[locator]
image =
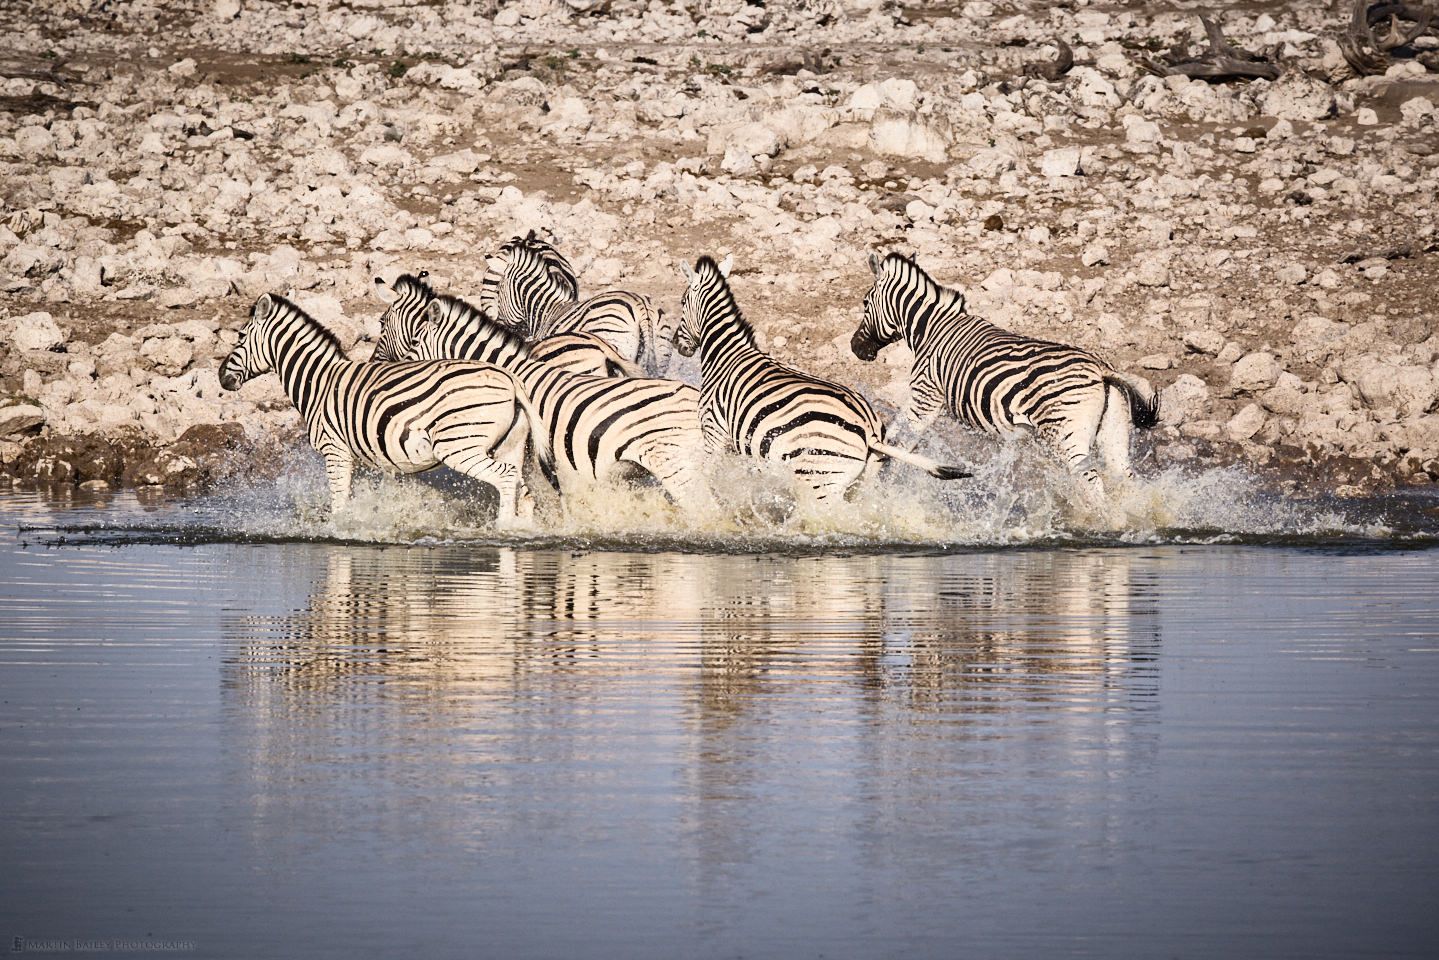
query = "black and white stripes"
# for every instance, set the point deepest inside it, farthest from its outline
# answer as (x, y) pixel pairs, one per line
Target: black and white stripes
(999, 381)
(532, 287)
(599, 428)
(826, 434)
(397, 417)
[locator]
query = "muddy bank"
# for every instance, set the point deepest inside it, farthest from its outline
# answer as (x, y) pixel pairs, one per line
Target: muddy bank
(1262, 250)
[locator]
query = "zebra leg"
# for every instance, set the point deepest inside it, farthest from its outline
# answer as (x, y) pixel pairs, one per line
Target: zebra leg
(339, 467)
(1112, 439)
(716, 436)
(515, 501)
(1072, 439)
(679, 475)
(924, 407)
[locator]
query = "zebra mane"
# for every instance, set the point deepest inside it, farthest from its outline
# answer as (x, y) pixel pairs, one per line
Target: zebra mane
(719, 292)
(414, 283)
(557, 268)
(452, 314)
(282, 309)
(945, 298)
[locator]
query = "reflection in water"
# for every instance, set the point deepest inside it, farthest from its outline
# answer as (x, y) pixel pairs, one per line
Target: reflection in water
(295, 748)
(812, 678)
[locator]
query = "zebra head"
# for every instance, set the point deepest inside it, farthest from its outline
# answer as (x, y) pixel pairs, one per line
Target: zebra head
(885, 305)
(708, 283)
(250, 358)
(399, 326)
(525, 281)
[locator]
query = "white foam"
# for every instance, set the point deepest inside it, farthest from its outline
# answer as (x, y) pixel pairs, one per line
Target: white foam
(1014, 498)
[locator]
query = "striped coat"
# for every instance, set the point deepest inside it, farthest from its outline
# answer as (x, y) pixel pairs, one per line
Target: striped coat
(998, 381)
(599, 428)
(532, 287)
(400, 418)
(825, 433)
(410, 294)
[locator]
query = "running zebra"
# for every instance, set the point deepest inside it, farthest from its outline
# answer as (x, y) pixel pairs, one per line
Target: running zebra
(599, 428)
(410, 294)
(532, 287)
(999, 381)
(751, 404)
(405, 418)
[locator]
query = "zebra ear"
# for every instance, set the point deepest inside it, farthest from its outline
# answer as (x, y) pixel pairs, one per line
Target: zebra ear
(433, 311)
(687, 272)
(263, 307)
(383, 293)
(726, 265)
(874, 263)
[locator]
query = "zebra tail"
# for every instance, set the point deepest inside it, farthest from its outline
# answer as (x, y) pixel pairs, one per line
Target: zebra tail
(539, 436)
(934, 468)
(1143, 402)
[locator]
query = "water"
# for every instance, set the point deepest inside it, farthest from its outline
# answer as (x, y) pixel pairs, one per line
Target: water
(928, 728)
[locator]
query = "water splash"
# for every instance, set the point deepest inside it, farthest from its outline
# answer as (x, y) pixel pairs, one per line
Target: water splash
(1014, 499)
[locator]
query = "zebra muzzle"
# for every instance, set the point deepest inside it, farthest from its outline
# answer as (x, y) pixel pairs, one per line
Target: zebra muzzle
(863, 347)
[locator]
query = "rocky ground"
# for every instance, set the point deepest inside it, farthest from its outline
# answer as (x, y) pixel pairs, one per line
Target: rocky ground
(1264, 251)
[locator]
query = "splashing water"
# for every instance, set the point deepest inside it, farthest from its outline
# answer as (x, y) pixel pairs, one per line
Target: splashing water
(1014, 499)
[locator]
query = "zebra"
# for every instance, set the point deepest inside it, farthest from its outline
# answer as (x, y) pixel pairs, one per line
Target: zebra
(407, 298)
(531, 286)
(405, 418)
(598, 428)
(999, 381)
(751, 404)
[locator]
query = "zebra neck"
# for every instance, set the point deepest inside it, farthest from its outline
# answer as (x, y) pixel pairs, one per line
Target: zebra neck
(302, 359)
(942, 313)
(727, 337)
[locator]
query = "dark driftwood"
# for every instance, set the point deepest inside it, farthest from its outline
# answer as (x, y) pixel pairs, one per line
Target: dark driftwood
(1055, 69)
(1368, 52)
(1219, 60)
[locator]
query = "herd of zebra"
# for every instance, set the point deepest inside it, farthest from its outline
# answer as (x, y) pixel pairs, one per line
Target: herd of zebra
(532, 376)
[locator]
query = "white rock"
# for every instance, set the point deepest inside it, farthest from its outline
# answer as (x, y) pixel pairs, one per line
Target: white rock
(1153, 271)
(739, 162)
(1298, 96)
(1255, 372)
(1183, 399)
(35, 143)
(751, 139)
(1291, 273)
(18, 417)
(989, 164)
(1141, 134)
(185, 68)
(901, 133)
(225, 9)
(1060, 162)
(36, 331)
(1208, 342)
(1416, 110)
(1094, 253)
(1246, 423)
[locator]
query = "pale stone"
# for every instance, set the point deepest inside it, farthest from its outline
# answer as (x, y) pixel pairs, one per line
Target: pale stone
(1255, 372)
(1182, 399)
(1060, 162)
(899, 133)
(37, 331)
(19, 417)
(1208, 342)
(1246, 423)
